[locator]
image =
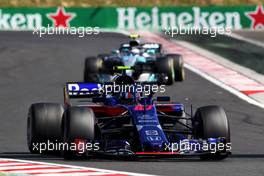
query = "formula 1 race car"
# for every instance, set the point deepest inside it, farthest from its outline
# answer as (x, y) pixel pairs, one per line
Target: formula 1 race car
(149, 62)
(126, 122)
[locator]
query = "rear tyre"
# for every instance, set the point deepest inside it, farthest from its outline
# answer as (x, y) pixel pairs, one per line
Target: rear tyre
(165, 68)
(137, 71)
(211, 122)
(43, 125)
(103, 56)
(78, 123)
(92, 68)
(178, 67)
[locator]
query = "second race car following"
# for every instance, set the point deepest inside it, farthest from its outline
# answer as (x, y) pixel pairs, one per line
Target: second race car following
(147, 59)
(127, 122)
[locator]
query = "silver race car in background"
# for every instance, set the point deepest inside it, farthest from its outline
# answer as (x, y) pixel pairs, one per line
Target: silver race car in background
(149, 62)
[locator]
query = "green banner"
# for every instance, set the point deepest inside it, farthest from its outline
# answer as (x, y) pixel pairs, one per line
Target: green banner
(147, 18)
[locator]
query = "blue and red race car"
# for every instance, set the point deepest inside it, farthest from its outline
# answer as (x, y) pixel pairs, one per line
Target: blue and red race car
(96, 119)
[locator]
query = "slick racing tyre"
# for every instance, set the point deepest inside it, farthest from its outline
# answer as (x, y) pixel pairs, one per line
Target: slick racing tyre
(43, 125)
(78, 124)
(92, 68)
(165, 68)
(179, 73)
(211, 122)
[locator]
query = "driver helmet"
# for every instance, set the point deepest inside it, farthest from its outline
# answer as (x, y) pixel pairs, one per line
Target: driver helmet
(134, 43)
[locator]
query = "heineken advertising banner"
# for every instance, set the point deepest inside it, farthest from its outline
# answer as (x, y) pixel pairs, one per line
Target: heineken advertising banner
(148, 18)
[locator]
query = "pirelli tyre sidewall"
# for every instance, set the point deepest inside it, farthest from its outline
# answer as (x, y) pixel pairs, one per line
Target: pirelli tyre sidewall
(211, 122)
(78, 123)
(178, 65)
(44, 124)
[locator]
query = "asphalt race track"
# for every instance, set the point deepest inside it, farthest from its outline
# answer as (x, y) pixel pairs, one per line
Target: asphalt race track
(34, 69)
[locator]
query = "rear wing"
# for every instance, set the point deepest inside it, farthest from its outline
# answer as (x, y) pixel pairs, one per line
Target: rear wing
(81, 90)
(151, 45)
(154, 46)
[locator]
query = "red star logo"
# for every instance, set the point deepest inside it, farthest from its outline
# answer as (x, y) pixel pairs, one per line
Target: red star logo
(257, 17)
(61, 18)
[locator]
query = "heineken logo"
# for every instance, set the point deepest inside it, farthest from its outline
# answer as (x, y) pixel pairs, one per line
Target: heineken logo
(30, 21)
(20, 21)
(256, 17)
(133, 18)
(130, 18)
(60, 18)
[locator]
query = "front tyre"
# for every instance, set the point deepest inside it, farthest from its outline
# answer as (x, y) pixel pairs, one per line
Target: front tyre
(211, 122)
(178, 66)
(92, 67)
(78, 123)
(165, 68)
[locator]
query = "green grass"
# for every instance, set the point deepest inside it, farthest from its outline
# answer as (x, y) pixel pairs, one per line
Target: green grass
(87, 3)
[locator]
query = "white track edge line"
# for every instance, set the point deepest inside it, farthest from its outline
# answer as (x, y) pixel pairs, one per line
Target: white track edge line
(224, 86)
